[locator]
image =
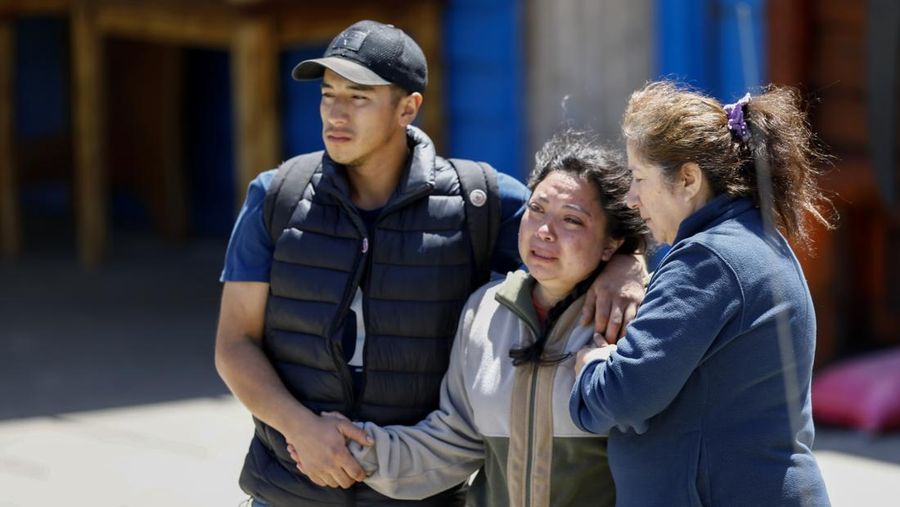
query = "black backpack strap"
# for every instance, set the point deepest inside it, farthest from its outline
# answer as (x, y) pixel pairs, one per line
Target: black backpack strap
(478, 182)
(286, 189)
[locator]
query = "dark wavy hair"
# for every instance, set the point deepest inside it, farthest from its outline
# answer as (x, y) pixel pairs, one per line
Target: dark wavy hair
(580, 154)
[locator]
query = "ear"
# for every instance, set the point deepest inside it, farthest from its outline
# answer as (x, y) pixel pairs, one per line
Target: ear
(409, 108)
(691, 179)
(610, 248)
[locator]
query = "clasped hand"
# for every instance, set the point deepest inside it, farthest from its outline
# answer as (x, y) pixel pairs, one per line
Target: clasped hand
(320, 450)
(598, 349)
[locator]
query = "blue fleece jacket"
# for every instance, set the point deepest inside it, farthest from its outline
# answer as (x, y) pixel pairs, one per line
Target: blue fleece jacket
(695, 399)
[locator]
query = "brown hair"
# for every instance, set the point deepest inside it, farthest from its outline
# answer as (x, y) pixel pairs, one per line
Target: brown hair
(670, 125)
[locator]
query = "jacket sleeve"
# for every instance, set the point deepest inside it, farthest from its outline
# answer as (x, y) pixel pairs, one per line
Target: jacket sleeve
(441, 451)
(692, 297)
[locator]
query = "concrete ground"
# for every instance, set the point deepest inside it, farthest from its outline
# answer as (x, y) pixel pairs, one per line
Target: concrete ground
(109, 397)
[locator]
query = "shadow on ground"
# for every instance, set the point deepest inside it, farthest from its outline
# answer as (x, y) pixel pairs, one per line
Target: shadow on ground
(140, 329)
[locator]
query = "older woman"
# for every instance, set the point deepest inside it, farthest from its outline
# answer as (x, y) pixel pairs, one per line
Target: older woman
(503, 406)
(706, 398)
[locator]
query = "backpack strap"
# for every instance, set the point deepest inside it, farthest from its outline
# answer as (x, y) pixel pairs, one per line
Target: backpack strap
(286, 190)
(478, 182)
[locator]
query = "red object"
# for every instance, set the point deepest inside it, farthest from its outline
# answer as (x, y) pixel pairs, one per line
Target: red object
(862, 393)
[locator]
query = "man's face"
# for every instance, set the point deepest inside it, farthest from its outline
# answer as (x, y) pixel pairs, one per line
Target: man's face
(357, 120)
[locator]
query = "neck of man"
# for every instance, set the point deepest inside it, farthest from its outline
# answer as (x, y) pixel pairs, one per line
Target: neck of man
(373, 180)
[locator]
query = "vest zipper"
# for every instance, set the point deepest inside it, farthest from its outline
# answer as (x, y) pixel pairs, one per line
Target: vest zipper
(370, 242)
(529, 457)
(342, 367)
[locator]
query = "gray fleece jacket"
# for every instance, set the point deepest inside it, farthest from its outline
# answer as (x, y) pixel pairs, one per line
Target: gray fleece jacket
(511, 424)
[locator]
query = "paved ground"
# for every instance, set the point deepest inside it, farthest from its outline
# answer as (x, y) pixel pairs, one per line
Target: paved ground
(108, 394)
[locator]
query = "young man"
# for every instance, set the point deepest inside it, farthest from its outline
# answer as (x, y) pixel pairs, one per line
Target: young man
(345, 297)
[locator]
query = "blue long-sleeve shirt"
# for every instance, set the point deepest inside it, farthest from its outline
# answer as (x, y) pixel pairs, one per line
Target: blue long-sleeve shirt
(694, 398)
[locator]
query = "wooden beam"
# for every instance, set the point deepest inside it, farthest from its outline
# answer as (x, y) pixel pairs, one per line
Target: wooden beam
(255, 76)
(199, 25)
(21, 7)
(10, 227)
(89, 113)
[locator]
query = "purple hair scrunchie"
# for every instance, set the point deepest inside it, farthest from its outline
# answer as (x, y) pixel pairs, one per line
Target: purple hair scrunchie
(736, 123)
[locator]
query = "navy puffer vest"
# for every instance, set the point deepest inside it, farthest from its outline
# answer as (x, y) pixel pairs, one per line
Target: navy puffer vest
(419, 276)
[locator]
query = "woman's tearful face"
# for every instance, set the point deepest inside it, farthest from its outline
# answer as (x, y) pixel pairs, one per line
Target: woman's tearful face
(562, 236)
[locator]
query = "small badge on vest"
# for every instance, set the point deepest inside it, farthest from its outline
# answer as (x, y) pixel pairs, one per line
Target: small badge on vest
(477, 197)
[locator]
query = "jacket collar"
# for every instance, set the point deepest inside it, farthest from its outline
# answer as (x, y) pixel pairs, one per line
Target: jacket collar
(716, 211)
(515, 294)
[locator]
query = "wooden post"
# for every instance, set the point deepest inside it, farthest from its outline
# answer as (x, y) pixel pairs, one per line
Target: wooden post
(89, 113)
(254, 71)
(10, 229)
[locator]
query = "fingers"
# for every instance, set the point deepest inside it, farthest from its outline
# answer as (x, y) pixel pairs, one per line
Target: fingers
(343, 477)
(602, 313)
(343, 480)
(587, 312)
(355, 433)
(614, 324)
(350, 468)
(336, 415)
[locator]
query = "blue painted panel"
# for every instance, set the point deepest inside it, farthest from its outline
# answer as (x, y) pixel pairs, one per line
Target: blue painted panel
(480, 92)
(700, 42)
(482, 45)
(484, 89)
(301, 126)
(684, 35)
(470, 139)
(41, 76)
(741, 53)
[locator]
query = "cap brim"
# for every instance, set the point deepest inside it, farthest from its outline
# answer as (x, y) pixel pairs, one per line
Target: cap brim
(348, 69)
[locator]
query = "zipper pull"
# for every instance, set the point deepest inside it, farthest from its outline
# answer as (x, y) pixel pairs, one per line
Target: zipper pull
(365, 245)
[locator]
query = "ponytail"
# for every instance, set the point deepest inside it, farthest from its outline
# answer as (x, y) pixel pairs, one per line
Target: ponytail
(781, 138)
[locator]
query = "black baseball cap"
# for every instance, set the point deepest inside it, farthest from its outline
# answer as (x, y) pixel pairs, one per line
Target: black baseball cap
(371, 53)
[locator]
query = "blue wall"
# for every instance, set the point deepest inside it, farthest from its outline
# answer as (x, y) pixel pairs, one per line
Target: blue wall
(484, 90)
(699, 42)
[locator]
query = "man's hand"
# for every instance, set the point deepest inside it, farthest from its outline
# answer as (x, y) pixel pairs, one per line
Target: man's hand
(592, 353)
(612, 300)
(320, 450)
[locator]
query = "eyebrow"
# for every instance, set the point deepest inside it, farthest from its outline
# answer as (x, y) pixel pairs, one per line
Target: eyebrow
(352, 86)
(543, 198)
